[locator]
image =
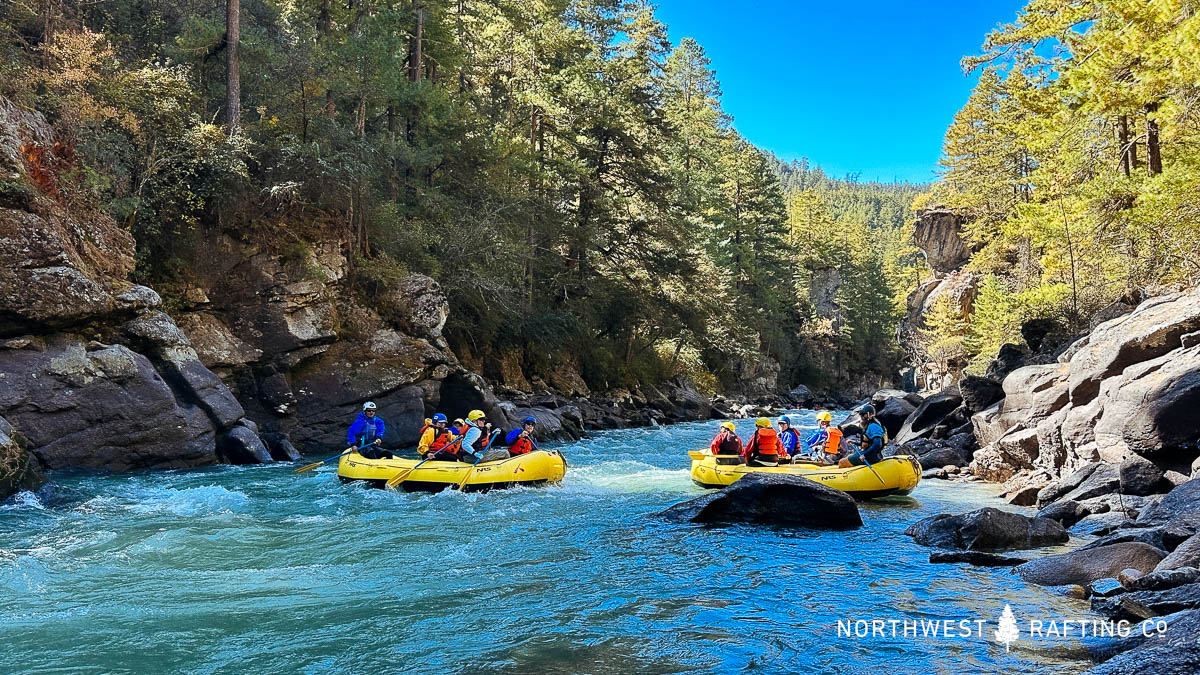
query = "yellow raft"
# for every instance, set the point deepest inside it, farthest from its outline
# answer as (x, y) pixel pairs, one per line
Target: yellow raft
(896, 475)
(534, 468)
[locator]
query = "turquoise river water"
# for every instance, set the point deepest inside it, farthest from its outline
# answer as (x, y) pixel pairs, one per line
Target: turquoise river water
(258, 570)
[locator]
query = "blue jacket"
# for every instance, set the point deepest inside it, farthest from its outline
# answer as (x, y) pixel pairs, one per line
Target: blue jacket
(817, 440)
(513, 436)
(789, 438)
(873, 444)
(366, 429)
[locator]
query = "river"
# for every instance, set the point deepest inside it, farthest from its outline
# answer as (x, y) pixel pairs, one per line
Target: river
(258, 570)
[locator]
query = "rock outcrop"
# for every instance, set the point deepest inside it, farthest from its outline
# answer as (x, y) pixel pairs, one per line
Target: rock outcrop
(1125, 395)
(772, 499)
(91, 372)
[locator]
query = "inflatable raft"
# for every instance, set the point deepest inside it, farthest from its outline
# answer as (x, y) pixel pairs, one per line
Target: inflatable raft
(891, 476)
(535, 468)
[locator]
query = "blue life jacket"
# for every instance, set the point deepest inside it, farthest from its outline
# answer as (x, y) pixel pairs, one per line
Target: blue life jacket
(365, 430)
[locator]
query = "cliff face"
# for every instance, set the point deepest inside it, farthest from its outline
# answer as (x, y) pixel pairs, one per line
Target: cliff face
(92, 373)
(938, 233)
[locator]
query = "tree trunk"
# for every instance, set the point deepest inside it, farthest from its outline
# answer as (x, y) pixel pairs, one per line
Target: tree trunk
(1123, 141)
(414, 66)
(1153, 153)
(233, 84)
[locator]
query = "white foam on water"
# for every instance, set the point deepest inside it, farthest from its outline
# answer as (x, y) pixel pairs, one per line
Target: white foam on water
(631, 476)
(197, 501)
(23, 500)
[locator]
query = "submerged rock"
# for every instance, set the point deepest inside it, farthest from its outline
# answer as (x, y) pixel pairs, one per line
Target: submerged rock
(1087, 565)
(977, 558)
(987, 528)
(772, 499)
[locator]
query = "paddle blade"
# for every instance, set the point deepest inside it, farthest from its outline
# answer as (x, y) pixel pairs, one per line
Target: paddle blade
(399, 478)
(309, 467)
(696, 455)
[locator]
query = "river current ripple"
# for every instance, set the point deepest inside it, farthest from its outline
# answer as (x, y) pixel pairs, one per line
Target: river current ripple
(258, 570)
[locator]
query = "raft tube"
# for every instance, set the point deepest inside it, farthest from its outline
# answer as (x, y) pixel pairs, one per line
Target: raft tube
(896, 475)
(534, 468)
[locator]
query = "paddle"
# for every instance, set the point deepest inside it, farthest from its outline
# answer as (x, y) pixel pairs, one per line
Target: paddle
(310, 467)
(864, 459)
(401, 476)
(481, 453)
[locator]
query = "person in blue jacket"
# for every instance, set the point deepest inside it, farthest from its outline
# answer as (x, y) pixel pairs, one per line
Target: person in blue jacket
(788, 436)
(366, 432)
(874, 437)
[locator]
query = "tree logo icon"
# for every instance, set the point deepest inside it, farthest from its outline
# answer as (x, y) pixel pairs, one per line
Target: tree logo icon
(1007, 631)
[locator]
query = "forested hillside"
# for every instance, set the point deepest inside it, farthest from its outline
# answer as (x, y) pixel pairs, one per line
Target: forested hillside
(566, 173)
(1077, 163)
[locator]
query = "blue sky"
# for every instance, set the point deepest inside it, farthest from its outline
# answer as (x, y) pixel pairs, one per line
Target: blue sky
(867, 86)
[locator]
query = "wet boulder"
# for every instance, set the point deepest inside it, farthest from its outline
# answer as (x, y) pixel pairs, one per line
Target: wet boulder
(987, 529)
(977, 558)
(772, 499)
(1084, 566)
(18, 471)
(240, 445)
(1174, 652)
(892, 412)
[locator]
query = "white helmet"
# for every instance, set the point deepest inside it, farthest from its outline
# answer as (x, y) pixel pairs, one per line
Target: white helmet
(369, 405)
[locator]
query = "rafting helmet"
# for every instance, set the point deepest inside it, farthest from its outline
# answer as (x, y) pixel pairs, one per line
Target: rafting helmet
(785, 420)
(475, 415)
(369, 405)
(824, 416)
(762, 422)
(530, 420)
(438, 417)
(866, 409)
(458, 421)
(728, 425)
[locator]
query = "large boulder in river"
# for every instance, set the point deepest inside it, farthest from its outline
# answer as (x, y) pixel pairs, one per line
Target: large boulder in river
(1085, 566)
(1186, 554)
(987, 529)
(772, 499)
(1146, 333)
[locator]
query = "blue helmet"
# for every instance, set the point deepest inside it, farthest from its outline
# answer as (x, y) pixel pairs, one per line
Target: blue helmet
(530, 420)
(786, 420)
(438, 417)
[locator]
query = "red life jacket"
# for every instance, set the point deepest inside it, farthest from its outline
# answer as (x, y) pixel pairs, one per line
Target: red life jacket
(765, 442)
(520, 446)
(727, 444)
(442, 438)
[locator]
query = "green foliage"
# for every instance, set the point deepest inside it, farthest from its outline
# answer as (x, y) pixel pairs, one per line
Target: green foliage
(1077, 159)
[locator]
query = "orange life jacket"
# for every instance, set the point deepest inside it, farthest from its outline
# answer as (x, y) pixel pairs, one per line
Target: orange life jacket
(834, 441)
(764, 442)
(520, 446)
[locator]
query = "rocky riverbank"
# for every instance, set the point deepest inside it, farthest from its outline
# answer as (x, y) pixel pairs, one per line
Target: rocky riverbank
(262, 354)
